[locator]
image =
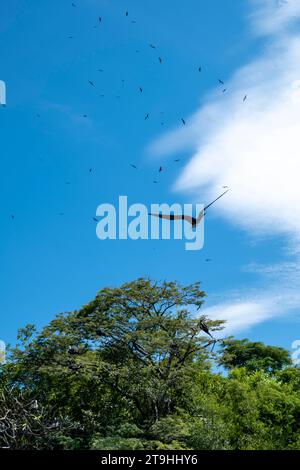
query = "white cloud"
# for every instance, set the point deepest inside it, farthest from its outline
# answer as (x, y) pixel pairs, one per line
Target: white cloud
(240, 315)
(273, 16)
(252, 146)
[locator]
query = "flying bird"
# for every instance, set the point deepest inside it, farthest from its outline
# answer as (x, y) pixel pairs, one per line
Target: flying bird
(91, 83)
(147, 116)
(194, 221)
(183, 121)
(95, 220)
(245, 97)
(221, 82)
(100, 19)
(177, 160)
(160, 169)
(191, 220)
(160, 60)
(152, 46)
(200, 69)
(12, 217)
(73, 5)
(126, 13)
(141, 89)
(133, 166)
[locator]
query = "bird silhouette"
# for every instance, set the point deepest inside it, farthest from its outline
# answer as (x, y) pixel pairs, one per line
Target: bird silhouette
(245, 97)
(194, 221)
(183, 121)
(160, 169)
(147, 116)
(204, 328)
(221, 82)
(133, 166)
(91, 83)
(160, 60)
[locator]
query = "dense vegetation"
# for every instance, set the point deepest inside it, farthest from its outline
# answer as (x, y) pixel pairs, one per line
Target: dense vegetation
(137, 369)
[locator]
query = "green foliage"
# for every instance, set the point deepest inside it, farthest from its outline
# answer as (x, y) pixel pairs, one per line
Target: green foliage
(132, 370)
(253, 356)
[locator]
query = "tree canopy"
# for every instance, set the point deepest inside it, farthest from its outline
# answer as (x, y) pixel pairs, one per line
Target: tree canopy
(136, 368)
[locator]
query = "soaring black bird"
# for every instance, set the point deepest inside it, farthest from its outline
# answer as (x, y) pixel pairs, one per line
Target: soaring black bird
(91, 83)
(200, 69)
(221, 82)
(152, 46)
(160, 60)
(141, 89)
(100, 19)
(245, 97)
(183, 121)
(133, 166)
(160, 169)
(191, 220)
(194, 221)
(147, 116)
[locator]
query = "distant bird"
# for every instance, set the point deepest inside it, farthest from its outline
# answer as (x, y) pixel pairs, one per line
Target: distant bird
(100, 70)
(133, 21)
(101, 96)
(155, 182)
(12, 217)
(91, 83)
(177, 160)
(100, 19)
(73, 5)
(183, 121)
(223, 91)
(85, 116)
(38, 115)
(204, 328)
(208, 260)
(160, 60)
(70, 37)
(90, 170)
(147, 116)
(245, 97)
(152, 46)
(141, 89)
(133, 166)
(68, 182)
(200, 69)
(126, 13)
(95, 220)
(225, 187)
(61, 213)
(160, 169)
(221, 82)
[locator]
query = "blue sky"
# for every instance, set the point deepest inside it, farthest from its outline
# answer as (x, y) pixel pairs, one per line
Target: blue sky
(50, 50)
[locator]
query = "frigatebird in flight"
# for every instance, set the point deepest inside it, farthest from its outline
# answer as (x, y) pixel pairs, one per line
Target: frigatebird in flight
(194, 221)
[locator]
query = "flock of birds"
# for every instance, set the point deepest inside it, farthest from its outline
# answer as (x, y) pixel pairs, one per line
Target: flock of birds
(193, 221)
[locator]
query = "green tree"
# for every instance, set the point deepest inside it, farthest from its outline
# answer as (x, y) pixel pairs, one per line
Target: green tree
(253, 356)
